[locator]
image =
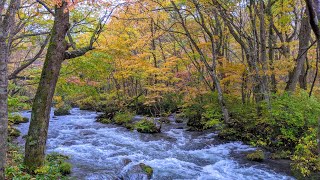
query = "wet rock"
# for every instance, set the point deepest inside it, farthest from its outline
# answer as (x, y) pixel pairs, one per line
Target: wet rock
(87, 132)
(179, 120)
(126, 161)
(165, 120)
(62, 111)
(140, 171)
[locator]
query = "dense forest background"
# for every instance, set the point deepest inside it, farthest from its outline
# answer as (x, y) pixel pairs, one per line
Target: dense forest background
(247, 68)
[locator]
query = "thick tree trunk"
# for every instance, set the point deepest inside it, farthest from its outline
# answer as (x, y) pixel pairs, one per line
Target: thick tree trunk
(38, 130)
(304, 39)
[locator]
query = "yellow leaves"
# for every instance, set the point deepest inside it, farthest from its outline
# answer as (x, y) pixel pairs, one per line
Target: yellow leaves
(58, 102)
(232, 71)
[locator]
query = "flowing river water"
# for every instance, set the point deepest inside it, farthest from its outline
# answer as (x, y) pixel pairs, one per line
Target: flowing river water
(98, 151)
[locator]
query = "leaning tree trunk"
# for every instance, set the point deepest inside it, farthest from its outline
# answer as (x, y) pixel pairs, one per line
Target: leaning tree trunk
(38, 130)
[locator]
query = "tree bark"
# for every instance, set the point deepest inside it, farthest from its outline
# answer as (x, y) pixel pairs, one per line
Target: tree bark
(3, 104)
(7, 23)
(38, 130)
(304, 39)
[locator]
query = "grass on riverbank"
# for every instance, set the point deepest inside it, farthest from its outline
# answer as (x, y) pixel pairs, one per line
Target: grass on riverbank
(55, 166)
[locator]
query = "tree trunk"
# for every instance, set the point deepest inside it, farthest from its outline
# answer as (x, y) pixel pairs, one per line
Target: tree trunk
(304, 75)
(271, 44)
(263, 51)
(7, 23)
(3, 104)
(304, 38)
(38, 130)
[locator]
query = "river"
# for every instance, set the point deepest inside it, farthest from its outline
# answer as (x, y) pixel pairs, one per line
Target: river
(98, 151)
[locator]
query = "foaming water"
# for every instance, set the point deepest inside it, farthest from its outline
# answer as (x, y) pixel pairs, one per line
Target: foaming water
(100, 151)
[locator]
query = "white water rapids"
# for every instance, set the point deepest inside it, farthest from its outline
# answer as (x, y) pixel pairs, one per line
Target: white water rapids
(98, 151)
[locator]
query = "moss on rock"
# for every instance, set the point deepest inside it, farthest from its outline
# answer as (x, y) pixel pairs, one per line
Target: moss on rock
(62, 111)
(17, 119)
(13, 132)
(258, 156)
(65, 168)
(147, 169)
(146, 126)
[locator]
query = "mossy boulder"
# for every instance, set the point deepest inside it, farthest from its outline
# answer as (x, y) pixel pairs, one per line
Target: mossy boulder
(13, 132)
(62, 111)
(129, 126)
(65, 168)
(147, 169)
(257, 156)
(146, 126)
(118, 118)
(138, 171)
(17, 119)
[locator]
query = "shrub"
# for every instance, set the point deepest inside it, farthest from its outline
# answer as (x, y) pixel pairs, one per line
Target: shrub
(306, 159)
(89, 103)
(203, 112)
(122, 118)
(18, 103)
(256, 156)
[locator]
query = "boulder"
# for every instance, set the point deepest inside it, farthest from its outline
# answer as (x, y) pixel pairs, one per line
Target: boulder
(140, 171)
(257, 155)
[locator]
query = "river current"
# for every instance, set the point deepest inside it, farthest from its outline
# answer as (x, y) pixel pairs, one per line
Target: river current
(98, 151)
